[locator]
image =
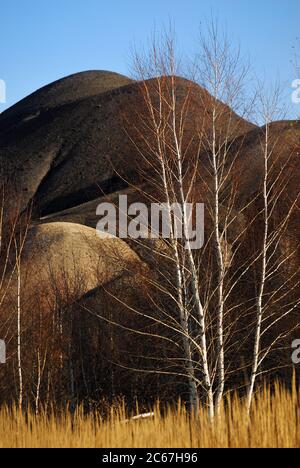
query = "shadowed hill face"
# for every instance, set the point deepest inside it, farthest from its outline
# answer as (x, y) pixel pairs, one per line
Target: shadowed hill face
(73, 145)
(284, 150)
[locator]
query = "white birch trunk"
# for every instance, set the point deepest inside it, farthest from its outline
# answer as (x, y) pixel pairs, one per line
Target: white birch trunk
(220, 265)
(192, 268)
(20, 373)
(259, 300)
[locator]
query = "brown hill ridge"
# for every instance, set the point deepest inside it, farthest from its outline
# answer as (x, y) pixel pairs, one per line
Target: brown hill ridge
(66, 144)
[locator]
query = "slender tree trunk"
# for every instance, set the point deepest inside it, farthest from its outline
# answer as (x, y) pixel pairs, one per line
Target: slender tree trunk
(259, 300)
(192, 267)
(38, 387)
(220, 266)
(20, 373)
(183, 313)
(184, 319)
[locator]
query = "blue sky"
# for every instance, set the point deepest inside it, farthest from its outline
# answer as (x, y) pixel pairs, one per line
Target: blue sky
(43, 40)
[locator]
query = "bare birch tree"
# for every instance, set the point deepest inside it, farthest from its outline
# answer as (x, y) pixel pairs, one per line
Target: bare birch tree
(172, 167)
(222, 73)
(277, 161)
(169, 157)
(19, 242)
(13, 233)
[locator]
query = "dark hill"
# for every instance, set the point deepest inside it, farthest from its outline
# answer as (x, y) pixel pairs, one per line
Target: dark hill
(69, 89)
(65, 144)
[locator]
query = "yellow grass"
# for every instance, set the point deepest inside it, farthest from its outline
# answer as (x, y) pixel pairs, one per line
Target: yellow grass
(274, 422)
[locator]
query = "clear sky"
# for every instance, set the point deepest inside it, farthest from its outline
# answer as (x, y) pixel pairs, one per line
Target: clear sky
(43, 40)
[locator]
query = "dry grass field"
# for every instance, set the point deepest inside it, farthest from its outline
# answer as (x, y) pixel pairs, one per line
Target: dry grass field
(274, 422)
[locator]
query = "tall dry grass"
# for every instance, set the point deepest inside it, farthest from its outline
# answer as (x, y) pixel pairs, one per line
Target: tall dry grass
(274, 422)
